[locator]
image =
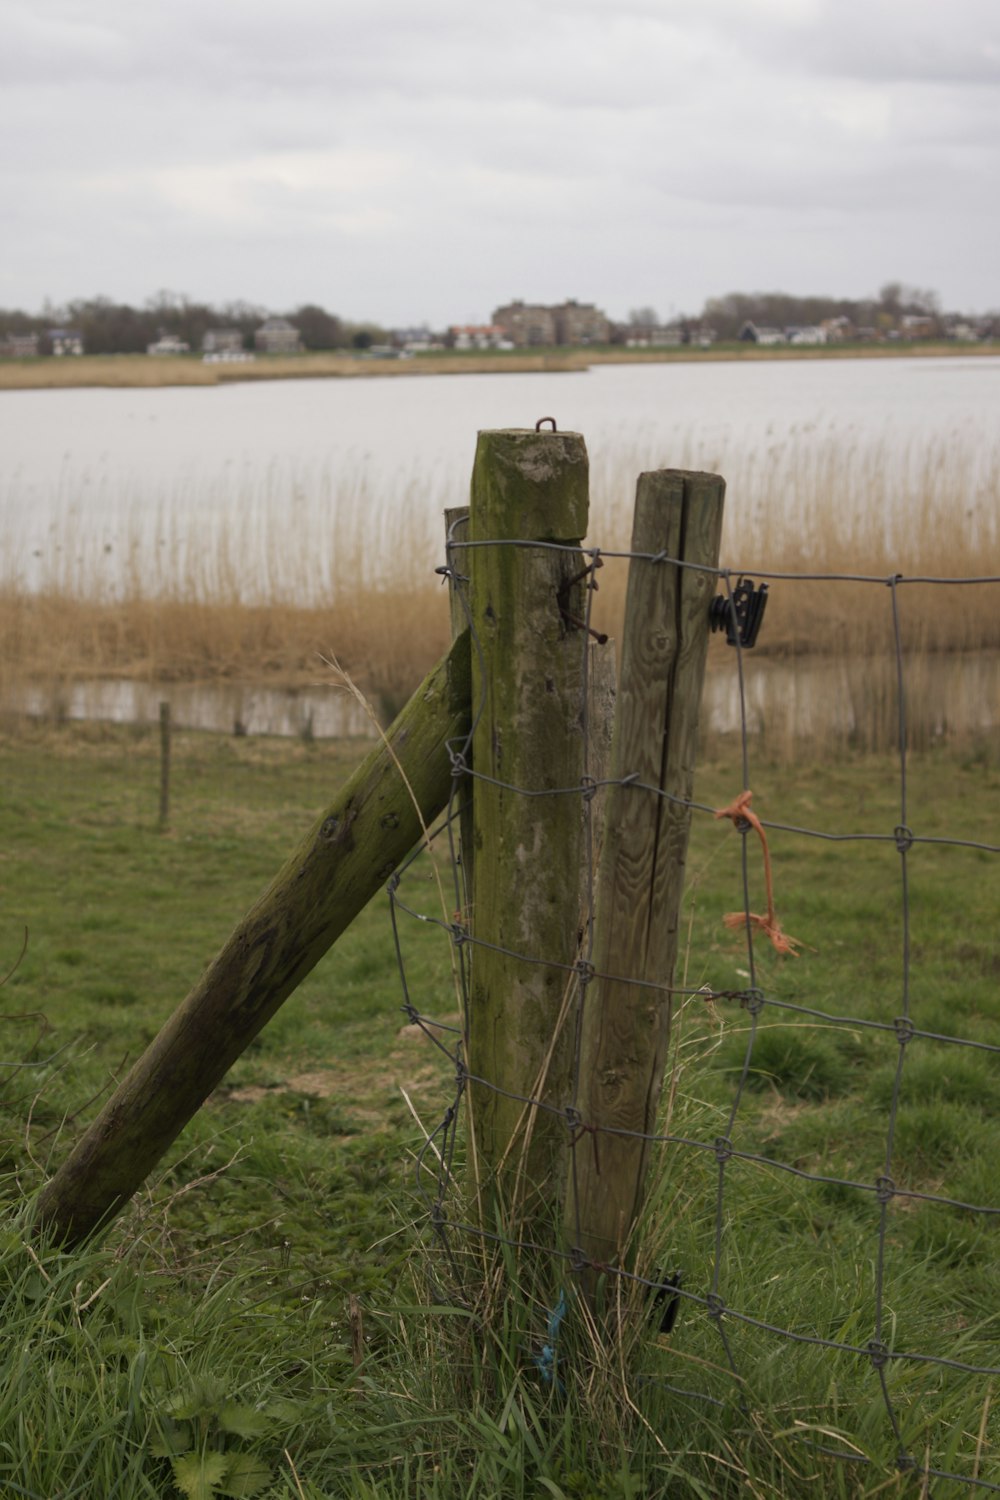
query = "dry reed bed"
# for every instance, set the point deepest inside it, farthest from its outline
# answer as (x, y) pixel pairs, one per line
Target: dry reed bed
(139, 370)
(267, 600)
(142, 371)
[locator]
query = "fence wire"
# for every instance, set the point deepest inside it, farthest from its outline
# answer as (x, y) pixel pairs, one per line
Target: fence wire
(436, 1161)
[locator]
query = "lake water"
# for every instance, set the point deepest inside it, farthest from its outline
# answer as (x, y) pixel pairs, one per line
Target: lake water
(322, 476)
(109, 473)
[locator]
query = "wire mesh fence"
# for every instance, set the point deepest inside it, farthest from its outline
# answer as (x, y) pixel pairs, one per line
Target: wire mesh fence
(856, 1270)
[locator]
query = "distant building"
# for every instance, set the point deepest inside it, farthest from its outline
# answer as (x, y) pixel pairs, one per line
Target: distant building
(19, 346)
(419, 340)
(917, 326)
(751, 334)
(277, 336)
(656, 337)
(168, 343)
(671, 336)
(806, 335)
(526, 325)
(479, 336)
(222, 341)
(65, 341)
(837, 330)
(580, 323)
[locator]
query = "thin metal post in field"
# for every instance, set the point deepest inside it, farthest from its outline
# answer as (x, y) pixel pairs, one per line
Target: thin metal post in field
(165, 737)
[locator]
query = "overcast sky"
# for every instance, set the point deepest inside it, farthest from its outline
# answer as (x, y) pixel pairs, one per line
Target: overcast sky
(407, 161)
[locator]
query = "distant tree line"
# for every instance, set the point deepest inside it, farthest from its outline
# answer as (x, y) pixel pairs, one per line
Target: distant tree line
(109, 327)
(727, 315)
(914, 310)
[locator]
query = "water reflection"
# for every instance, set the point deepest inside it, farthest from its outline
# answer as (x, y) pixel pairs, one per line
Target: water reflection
(856, 699)
(842, 700)
(223, 708)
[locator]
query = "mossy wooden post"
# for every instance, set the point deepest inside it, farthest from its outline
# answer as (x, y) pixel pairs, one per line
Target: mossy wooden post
(528, 661)
(626, 1027)
(345, 859)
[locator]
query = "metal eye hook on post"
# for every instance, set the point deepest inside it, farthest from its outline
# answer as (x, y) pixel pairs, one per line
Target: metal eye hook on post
(538, 424)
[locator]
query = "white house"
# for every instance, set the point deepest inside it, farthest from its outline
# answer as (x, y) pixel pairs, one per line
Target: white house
(65, 341)
(19, 345)
(222, 341)
(751, 334)
(168, 343)
(479, 336)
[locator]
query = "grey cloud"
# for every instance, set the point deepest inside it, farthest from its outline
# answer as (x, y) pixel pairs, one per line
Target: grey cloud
(385, 152)
(886, 41)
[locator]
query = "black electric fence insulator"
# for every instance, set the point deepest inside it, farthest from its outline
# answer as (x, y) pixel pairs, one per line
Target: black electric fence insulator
(740, 614)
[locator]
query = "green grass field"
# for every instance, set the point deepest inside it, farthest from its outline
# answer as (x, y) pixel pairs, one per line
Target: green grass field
(271, 1317)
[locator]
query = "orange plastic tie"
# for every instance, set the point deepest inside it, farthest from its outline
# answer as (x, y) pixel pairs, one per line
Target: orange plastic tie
(741, 812)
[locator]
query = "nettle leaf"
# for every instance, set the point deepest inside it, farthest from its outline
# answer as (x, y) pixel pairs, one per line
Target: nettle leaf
(174, 1438)
(245, 1476)
(243, 1421)
(202, 1398)
(284, 1410)
(198, 1475)
(111, 1342)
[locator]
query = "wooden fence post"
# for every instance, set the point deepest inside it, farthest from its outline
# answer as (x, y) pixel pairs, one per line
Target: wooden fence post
(528, 660)
(626, 1026)
(348, 855)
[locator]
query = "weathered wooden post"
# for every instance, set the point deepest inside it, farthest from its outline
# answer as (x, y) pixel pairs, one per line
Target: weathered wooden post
(529, 489)
(626, 1026)
(348, 855)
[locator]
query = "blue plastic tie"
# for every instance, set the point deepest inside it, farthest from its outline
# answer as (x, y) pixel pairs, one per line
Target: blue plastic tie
(547, 1359)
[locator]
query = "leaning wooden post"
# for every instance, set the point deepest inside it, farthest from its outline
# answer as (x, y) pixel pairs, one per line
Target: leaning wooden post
(626, 1026)
(528, 660)
(344, 860)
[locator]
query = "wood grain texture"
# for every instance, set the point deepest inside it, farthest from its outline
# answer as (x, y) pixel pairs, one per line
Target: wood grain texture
(626, 1026)
(528, 667)
(602, 691)
(346, 858)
